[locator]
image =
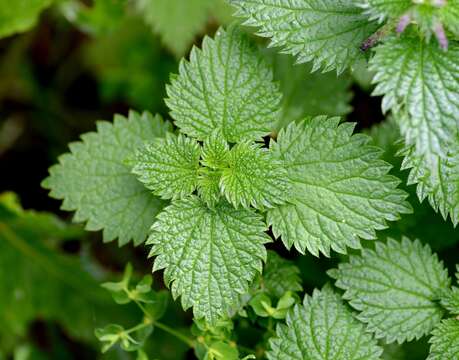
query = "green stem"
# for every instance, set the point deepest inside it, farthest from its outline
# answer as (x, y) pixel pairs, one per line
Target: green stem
(177, 334)
(159, 325)
(138, 327)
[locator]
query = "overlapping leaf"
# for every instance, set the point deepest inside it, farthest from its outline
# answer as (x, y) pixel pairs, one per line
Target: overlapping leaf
(169, 166)
(322, 328)
(445, 341)
(424, 223)
(254, 177)
(421, 83)
(209, 255)
(95, 181)
(225, 85)
(327, 32)
(178, 22)
(396, 288)
(450, 299)
(340, 188)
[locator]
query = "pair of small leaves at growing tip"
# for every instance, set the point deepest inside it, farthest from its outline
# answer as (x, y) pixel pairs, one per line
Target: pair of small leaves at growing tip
(262, 305)
(246, 174)
(152, 303)
(215, 342)
(123, 293)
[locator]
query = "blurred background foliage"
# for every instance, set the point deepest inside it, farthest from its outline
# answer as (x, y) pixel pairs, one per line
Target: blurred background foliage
(65, 64)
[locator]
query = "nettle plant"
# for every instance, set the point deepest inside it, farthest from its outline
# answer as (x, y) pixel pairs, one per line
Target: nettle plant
(210, 194)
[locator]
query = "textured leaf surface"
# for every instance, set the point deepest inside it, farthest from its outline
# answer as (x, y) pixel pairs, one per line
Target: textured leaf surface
(280, 276)
(322, 328)
(178, 22)
(421, 83)
(95, 180)
(225, 85)
(169, 166)
(20, 15)
(215, 150)
(327, 32)
(396, 288)
(309, 94)
(449, 16)
(384, 9)
(445, 341)
(450, 300)
(423, 223)
(340, 188)
(253, 177)
(36, 281)
(209, 255)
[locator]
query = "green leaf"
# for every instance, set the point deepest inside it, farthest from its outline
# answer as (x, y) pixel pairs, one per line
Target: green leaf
(20, 15)
(307, 93)
(396, 288)
(261, 305)
(123, 293)
(450, 299)
(225, 85)
(209, 186)
(326, 32)
(129, 340)
(95, 180)
(341, 190)
(449, 15)
(109, 335)
(220, 350)
(284, 304)
(209, 255)
(169, 166)
(280, 276)
(253, 177)
(421, 84)
(37, 281)
(119, 289)
(445, 341)
(322, 328)
(424, 223)
(215, 150)
(179, 22)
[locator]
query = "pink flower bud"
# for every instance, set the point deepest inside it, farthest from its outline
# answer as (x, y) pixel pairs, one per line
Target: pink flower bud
(403, 23)
(439, 32)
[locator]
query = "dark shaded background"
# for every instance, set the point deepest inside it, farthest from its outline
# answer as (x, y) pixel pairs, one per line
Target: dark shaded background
(52, 89)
